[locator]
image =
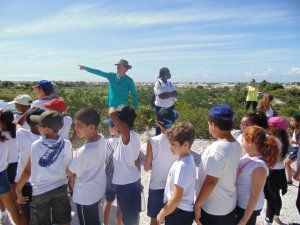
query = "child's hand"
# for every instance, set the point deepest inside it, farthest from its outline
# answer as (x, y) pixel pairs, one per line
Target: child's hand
(160, 219)
(81, 67)
(20, 198)
(198, 216)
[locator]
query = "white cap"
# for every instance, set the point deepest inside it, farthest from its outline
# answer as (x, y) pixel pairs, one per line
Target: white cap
(22, 100)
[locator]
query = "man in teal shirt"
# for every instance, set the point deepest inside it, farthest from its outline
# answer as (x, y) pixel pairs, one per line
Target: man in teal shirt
(120, 84)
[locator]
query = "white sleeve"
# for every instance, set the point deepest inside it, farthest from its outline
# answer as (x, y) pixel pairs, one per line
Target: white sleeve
(182, 176)
(215, 164)
(157, 88)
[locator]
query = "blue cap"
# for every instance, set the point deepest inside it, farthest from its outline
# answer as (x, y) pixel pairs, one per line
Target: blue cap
(221, 112)
(166, 117)
(45, 84)
(109, 122)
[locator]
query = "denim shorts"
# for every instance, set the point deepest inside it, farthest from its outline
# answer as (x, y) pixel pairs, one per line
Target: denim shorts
(4, 183)
(155, 202)
(293, 153)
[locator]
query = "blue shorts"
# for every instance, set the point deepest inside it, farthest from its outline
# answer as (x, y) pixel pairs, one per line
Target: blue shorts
(12, 172)
(129, 199)
(155, 202)
(293, 153)
(4, 183)
(110, 195)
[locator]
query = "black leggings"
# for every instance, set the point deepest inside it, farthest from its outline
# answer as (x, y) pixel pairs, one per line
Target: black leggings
(253, 103)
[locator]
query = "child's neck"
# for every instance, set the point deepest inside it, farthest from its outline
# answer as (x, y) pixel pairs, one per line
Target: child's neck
(183, 154)
(52, 136)
(93, 138)
(225, 136)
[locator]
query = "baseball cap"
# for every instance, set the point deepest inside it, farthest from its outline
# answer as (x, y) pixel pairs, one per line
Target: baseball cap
(166, 117)
(22, 100)
(277, 121)
(45, 84)
(57, 104)
(33, 111)
(50, 119)
(221, 112)
(109, 122)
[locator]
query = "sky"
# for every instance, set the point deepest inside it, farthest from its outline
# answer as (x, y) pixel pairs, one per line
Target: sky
(198, 40)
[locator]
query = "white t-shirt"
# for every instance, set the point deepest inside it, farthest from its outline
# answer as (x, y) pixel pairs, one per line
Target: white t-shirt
(16, 119)
(294, 138)
(89, 167)
(243, 181)
(240, 139)
(46, 178)
(270, 112)
(4, 148)
(161, 87)
(162, 161)
(298, 159)
(65, 130)
(221, 160)
(13, 152)
(183, 174)
(25, 138)
(125, 170)
(40, 103)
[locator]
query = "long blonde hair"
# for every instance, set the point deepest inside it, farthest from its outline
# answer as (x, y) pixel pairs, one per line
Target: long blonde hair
(265, 104)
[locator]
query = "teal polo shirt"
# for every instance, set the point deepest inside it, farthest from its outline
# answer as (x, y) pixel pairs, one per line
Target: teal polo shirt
(119, 88)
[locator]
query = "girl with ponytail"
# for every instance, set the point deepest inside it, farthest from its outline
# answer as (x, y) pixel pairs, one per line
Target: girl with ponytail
(262, 152)
(7, 132)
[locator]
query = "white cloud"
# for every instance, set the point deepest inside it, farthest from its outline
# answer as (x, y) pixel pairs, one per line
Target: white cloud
(294, 71)
(263, 74)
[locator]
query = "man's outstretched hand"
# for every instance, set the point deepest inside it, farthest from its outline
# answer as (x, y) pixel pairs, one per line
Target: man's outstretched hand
(81, 67)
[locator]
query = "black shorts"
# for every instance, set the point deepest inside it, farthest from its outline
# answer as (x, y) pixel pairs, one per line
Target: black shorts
(55, 201)
(12, 172)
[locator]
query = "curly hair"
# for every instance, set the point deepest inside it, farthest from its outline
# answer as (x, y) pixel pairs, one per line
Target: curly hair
(283, 136)
(265, 104)
(264, 143)
(182, 132)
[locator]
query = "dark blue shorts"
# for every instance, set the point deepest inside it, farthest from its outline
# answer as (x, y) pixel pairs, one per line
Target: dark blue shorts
(12, 172)
(155, 202)
(110, 195)
(129, 199)
(4, 183)
(180, 217)
(293, 153)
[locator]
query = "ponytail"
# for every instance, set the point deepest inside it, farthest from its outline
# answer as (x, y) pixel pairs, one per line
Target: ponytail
(270, 152)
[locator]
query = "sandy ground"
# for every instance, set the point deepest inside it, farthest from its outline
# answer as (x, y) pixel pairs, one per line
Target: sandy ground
(288, 213)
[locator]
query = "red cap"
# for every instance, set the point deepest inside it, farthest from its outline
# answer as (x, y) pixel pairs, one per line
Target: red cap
(57, 104)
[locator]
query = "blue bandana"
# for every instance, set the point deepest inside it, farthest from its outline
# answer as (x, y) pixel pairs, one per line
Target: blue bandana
(52, 153)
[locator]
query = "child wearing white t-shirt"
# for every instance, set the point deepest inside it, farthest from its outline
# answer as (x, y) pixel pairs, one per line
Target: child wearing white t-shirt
(25, 138)
(45, 91)
(111, 189)
(216, 201)
(59, 105)
(159, 159)
(46, 167)
(179, 191)
(126, 160)
(262, 153)
(88, 167)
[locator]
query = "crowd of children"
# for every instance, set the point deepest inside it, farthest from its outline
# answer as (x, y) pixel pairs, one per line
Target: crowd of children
(38, 171)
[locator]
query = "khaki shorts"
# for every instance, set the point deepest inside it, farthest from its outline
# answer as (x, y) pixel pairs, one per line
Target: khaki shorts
(55, 201)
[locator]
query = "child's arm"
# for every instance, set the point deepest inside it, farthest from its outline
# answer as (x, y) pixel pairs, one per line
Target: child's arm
(71, 179)
(258, 179)
(124, 130)
(149, 157)
(22, 181)
(208, 186)
(171, 205)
